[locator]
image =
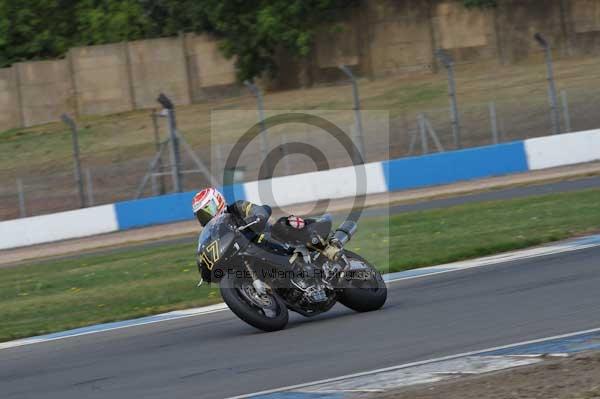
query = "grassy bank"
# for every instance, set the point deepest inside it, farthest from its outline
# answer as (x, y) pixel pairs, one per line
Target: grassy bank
(51, 296)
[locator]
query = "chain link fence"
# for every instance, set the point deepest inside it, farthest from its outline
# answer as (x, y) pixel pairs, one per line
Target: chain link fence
(411, 133)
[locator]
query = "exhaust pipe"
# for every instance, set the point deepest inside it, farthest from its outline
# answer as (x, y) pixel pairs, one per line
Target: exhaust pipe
(344, 233)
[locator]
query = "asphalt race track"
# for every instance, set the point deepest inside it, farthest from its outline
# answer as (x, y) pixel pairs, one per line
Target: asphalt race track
(217, 355)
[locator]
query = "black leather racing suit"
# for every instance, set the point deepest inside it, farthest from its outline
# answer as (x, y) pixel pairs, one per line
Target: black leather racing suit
(246, 212)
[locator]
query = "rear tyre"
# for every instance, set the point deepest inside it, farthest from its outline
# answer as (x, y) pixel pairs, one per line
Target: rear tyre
(265, 312)
(364, 295)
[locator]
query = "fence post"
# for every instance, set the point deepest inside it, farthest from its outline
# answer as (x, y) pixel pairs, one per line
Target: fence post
(21, 191)
(74, 137)
(551, 86)
(448, 63)
(174, 140)
(264, 144)
(423, 133)
(494, 122)
(90, 187)
(566, 113)
(162, 190)
(360, 142)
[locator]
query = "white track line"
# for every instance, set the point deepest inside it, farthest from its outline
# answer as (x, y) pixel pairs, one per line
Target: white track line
(175, 315)
(507, 257)
(406, 365)
(556, 248)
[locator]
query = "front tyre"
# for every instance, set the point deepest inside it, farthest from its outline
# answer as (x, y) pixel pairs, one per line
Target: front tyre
(265, 312)
(364, 295)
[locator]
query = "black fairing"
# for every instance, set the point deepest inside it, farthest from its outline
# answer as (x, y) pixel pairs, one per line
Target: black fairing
(221, 230)
(232, 247)
(222, 248)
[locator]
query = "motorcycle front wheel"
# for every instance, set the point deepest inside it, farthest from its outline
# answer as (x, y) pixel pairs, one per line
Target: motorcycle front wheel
(364, 295)
(266, 312)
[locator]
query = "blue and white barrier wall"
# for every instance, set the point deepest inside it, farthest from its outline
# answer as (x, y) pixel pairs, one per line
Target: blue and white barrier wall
(58, 226)
(563, 149)
(315, 186)
(387, 176)
(452, 166)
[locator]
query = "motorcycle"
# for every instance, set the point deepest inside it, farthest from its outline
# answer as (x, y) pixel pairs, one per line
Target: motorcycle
(308, 273)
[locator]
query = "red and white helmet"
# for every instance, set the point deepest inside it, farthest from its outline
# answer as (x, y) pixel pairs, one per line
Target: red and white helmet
(207, 204)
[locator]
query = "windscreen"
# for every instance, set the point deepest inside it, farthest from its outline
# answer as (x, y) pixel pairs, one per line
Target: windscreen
(210, 232)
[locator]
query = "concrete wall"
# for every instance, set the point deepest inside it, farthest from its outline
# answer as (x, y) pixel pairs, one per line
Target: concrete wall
(585, 15)
(457, 26)
(377, 38)
(210, 73)
(518, 20)
(337, 45)
(467, 34)
(400, 37)
(583, 26)
(158, 66)
(10, 110)
(46, 91)
(102, 79)
(115, 78)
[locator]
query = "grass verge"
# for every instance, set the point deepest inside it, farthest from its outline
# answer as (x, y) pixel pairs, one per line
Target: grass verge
(55, 295)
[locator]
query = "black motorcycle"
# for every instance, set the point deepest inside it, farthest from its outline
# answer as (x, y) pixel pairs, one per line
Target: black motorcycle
(308, 273)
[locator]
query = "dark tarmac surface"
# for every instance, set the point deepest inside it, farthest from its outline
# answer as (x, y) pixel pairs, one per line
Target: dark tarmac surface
(217, 355)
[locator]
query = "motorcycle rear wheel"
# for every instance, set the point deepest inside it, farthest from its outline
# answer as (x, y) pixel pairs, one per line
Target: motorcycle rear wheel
(265, 312)
(364, 295)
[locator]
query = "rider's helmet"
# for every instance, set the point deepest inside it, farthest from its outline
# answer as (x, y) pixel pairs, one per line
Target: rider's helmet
(207, 204)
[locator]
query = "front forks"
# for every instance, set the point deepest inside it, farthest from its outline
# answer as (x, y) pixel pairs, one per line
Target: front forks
(260, 287)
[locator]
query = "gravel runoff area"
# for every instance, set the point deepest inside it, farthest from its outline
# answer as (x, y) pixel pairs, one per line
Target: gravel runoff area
(181, 229)
(573, 377)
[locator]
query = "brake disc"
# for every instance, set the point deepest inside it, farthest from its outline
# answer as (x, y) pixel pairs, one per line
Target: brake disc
(262, 301)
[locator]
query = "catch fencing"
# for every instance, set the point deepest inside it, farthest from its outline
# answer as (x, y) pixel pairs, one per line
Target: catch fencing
(518, 108)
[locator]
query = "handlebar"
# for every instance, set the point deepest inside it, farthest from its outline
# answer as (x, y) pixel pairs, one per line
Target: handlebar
(241, 228)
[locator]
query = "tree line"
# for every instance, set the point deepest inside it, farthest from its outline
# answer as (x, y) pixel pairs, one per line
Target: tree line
(252, 31)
